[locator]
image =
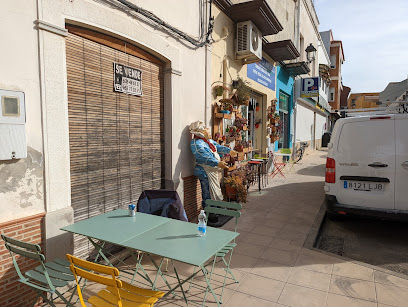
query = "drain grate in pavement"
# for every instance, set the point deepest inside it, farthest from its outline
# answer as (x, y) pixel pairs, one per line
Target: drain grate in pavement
(331, 244)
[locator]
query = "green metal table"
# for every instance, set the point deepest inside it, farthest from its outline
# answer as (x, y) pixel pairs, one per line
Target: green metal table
(168, 238)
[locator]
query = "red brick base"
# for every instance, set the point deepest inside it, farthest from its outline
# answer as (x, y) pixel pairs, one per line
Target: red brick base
(12, 292)
(192, 198)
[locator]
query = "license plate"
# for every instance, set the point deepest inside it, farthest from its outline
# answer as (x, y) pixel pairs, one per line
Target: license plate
(364, 186)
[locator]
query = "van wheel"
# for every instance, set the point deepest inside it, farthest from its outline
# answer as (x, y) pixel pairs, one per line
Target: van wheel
(334, 216)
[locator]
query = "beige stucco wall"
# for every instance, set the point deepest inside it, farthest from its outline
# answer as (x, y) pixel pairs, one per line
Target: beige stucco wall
(224, 48)
(21, 181)
(309, 31)
(30, 57)
(285, 11)
(185, 82)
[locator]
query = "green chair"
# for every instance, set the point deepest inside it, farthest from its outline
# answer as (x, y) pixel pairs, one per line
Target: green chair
(45, 278)
(229, 209)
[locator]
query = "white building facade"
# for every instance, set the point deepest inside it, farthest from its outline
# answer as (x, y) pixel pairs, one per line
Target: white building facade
(81, 129)
(312, 112)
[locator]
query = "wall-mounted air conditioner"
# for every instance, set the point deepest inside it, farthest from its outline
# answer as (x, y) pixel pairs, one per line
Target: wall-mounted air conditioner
(249, 42)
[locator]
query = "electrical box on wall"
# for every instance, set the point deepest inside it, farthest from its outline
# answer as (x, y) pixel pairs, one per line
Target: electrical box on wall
(13, 144)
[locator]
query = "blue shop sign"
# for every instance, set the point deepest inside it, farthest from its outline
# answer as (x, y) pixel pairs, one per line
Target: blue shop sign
(262, 72)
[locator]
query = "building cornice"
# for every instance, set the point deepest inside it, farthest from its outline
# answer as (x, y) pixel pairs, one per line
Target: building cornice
(42, 25)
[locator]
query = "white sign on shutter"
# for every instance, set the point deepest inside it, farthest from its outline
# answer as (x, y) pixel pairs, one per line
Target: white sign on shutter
(127, 80)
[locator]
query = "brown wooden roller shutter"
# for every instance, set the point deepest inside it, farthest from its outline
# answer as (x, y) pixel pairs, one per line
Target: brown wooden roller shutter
(116, 139)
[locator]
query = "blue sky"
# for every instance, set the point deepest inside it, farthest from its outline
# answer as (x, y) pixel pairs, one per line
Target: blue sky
(375, 40)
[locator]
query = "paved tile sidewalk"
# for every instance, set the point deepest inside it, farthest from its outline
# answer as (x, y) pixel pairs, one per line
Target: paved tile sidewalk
(273, 267)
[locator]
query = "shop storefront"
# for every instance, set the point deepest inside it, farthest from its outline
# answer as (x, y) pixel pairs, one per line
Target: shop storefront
(115, 108)
(284, 89)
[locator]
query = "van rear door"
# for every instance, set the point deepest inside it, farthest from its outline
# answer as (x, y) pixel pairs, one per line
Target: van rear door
(365, 163)
(401, 159)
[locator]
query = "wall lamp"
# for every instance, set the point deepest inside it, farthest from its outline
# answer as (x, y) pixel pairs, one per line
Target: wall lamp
(310, 53)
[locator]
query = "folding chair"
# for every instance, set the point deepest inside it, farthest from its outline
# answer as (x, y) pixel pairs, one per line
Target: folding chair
(290, 161)
(116, 289)
(230, 209)
(278, 166)
(46, 277)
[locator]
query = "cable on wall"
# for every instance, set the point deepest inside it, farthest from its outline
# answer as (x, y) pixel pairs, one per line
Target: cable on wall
(151, 16)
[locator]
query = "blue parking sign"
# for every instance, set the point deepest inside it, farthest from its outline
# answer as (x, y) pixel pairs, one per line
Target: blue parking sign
(310, 87)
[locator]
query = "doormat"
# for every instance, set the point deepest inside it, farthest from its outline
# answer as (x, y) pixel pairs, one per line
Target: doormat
(222, 220)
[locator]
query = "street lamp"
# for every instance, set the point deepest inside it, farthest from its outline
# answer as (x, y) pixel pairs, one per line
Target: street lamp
(310, 53)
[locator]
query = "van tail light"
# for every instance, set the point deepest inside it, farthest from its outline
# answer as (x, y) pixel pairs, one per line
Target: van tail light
(330, 170)
(381, 117)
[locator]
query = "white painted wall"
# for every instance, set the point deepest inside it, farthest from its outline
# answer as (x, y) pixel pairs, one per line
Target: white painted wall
(304, 123)
(309, 30)
(30, 57)
(321, 125)
(21, 181)
(185, 99)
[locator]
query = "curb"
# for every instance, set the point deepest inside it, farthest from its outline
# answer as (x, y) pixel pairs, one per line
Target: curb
(311, 240)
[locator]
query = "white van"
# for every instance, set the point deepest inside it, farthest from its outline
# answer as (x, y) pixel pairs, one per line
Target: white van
(367, 167)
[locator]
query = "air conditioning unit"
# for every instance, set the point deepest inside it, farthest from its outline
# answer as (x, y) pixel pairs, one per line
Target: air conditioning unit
(249, 42)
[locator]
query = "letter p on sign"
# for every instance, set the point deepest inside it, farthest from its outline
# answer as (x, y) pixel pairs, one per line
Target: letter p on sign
(308, 84)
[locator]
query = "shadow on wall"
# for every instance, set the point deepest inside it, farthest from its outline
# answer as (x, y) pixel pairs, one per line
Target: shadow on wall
(185, 163)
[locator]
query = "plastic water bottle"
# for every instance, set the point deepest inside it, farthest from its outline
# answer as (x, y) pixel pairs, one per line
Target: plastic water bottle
(202, 224)
(132, 210)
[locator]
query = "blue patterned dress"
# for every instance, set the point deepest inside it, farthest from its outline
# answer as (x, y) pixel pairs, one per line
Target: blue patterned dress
(203, 154)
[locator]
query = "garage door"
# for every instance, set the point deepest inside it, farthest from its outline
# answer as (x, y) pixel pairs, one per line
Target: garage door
(116, 138)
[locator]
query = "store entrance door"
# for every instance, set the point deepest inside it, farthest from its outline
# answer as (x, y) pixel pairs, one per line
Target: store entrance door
(284, 137)
(285, 120)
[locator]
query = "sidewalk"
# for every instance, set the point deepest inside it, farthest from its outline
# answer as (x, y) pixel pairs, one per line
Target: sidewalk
(273, 267)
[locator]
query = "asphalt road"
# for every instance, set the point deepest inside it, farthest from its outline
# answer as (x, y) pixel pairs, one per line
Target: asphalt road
(376, 242)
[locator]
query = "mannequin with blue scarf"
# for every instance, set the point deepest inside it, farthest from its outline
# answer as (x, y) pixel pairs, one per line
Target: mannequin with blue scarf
(208, 164)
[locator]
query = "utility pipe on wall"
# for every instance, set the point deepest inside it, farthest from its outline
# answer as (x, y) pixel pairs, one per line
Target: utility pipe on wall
(297, 42)
(224, 76)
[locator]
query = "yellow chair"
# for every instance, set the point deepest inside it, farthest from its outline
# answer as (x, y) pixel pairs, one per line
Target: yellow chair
(117, 293)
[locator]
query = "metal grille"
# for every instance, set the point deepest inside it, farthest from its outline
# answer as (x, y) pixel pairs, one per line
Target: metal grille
(116, 139)
(242, 38)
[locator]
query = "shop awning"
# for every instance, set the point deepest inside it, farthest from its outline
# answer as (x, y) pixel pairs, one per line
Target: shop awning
(259, 12)
(281, 50)
(297, 69)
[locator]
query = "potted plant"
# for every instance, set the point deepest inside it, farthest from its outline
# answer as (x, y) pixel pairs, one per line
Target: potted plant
(257, 122)
(239, 147)
(217, 136)
(257, 107)
(226, 105)
(232, 131)
(241, 95)
(240, 123)
(219, 90)
(235, 188)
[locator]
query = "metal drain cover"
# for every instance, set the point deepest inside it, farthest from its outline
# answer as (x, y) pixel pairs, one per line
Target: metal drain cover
(331, 244)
